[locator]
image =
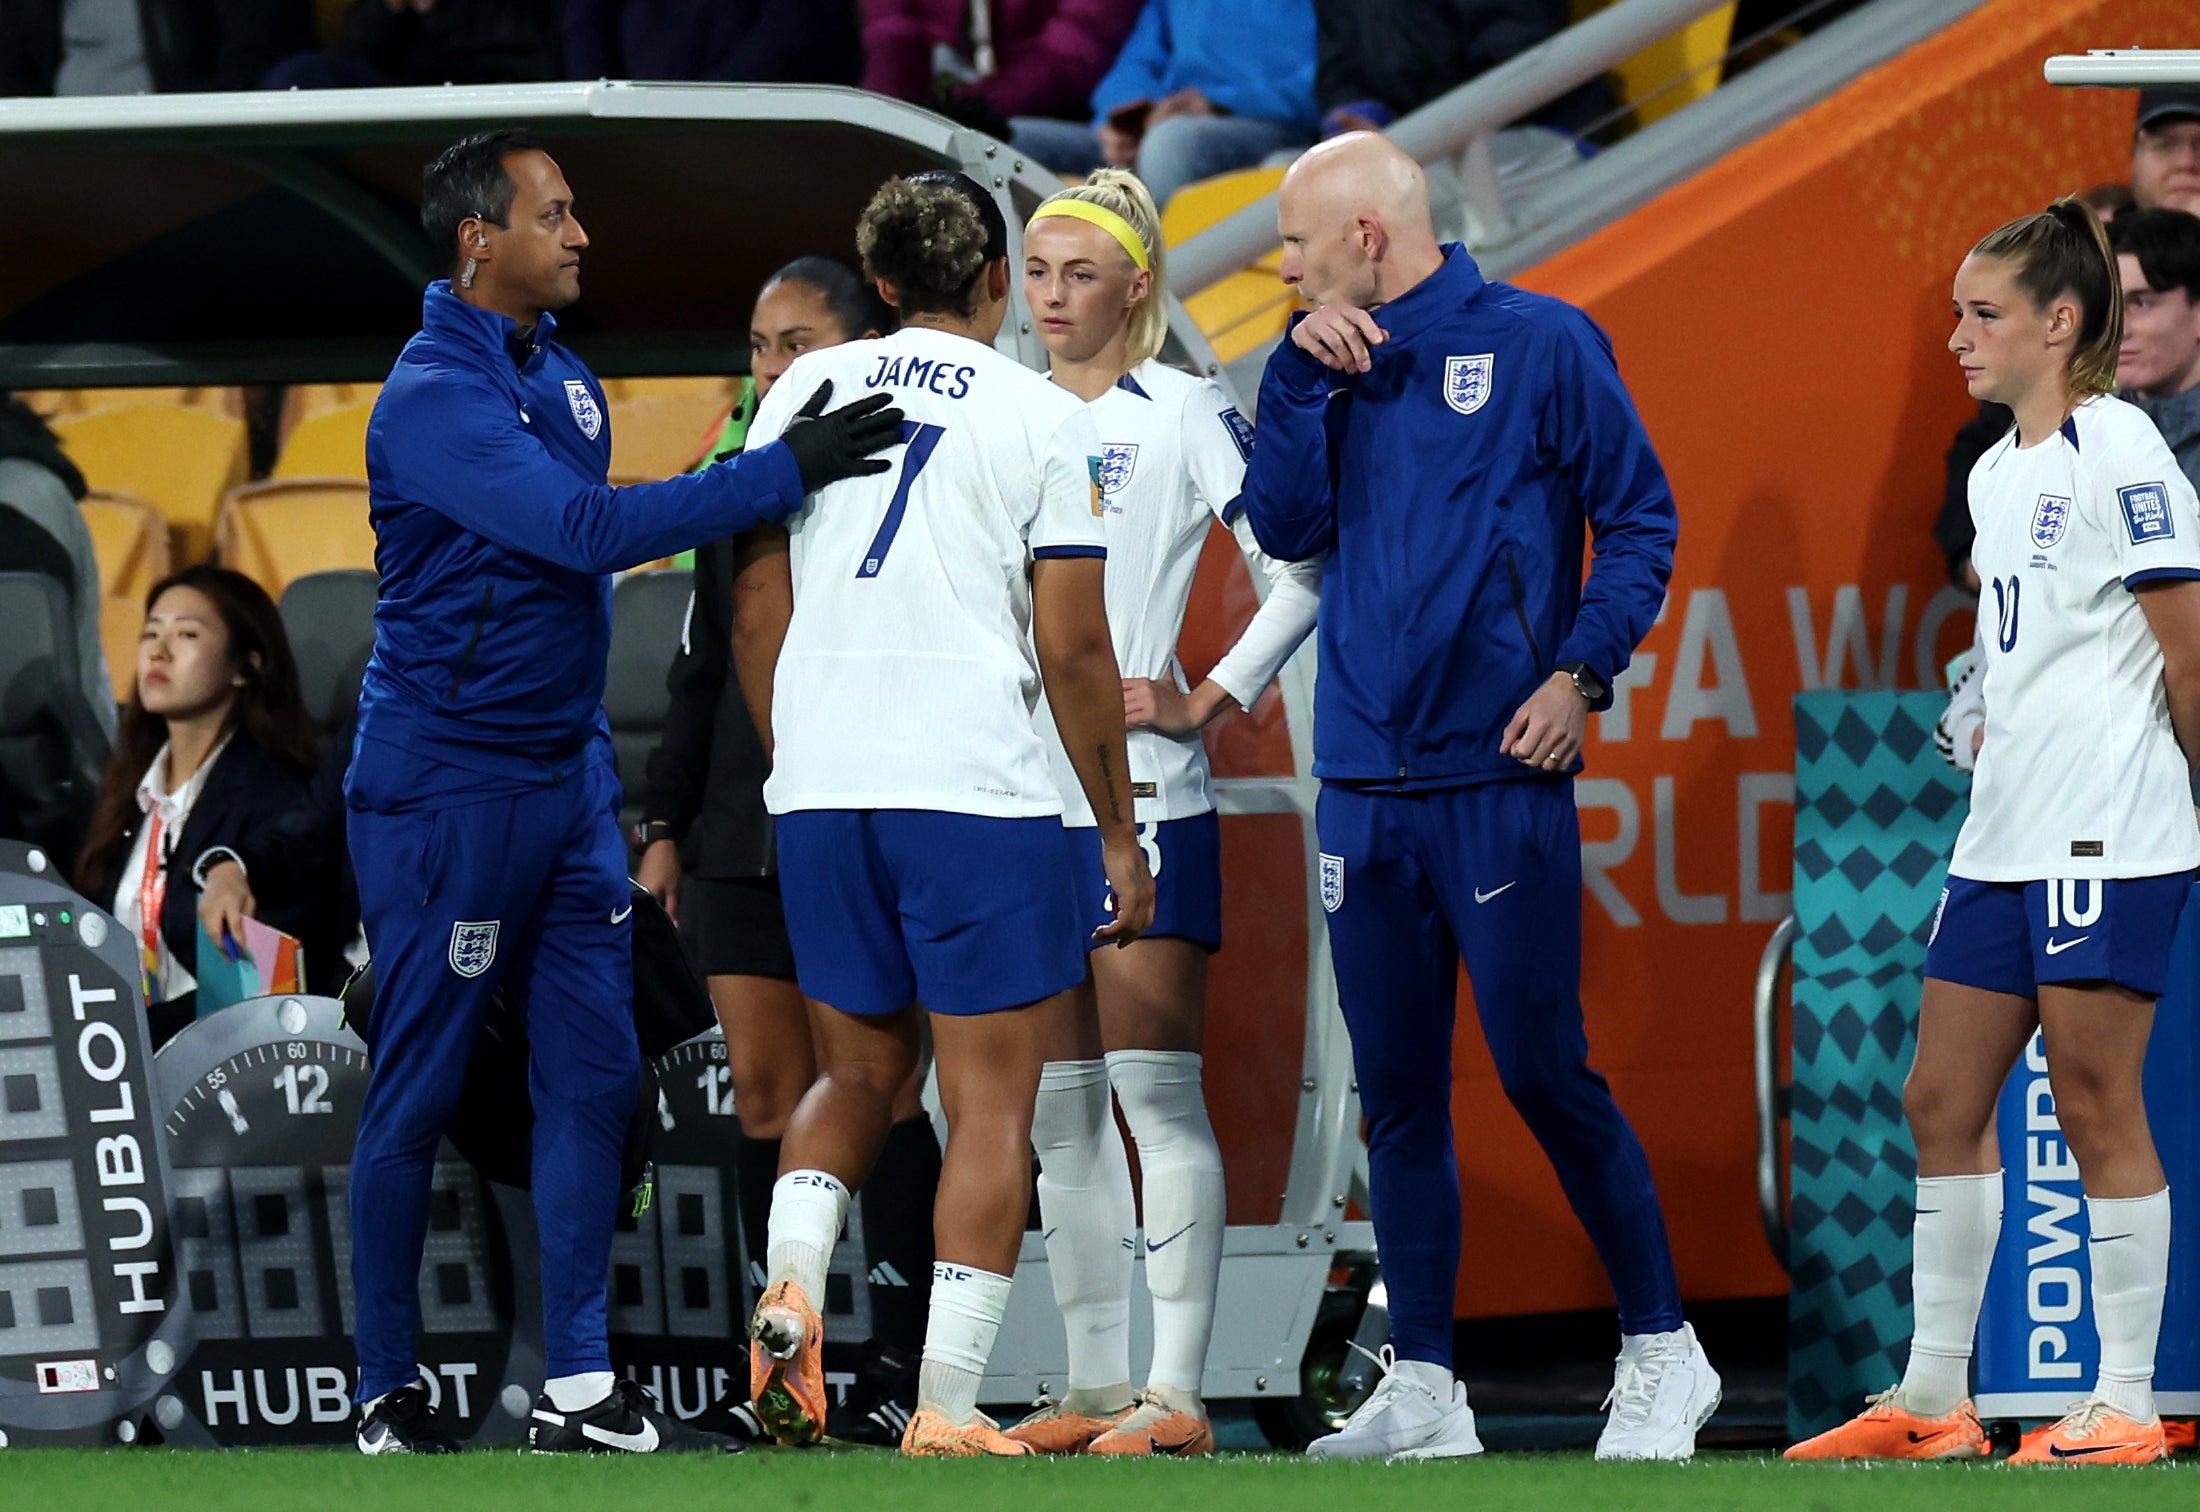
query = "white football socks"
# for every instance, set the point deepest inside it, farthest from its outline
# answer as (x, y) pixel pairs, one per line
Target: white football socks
(967, 1304)
(808, 1210)
(1180, 1182)
(574, 1392)
(2129, 1250)
(1958, 1224)
(1085, 1202)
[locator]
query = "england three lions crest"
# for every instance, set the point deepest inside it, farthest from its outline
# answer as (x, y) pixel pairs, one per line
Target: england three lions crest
(2049, 517)
(1332, 882)
(1467, 382)
(1117, 458)
(473, 946)
(587, 413)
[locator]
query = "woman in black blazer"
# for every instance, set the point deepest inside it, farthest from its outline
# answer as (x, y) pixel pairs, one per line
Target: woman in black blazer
(214, 743)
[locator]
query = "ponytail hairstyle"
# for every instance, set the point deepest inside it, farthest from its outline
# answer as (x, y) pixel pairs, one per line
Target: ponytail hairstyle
(1124, 194)
(931, 236)
(2064, 250)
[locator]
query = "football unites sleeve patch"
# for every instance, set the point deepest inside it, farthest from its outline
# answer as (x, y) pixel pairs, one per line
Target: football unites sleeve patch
(2147, 513)
(1241, 431)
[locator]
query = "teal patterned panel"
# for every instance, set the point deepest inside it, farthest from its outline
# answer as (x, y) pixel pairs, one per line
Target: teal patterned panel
(1876, 814)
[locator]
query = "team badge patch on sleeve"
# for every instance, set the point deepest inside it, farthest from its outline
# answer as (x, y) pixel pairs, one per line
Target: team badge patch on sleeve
(1332, 878)
(1096, 470)
(473, 946)
(2049, 516)
(1467, 381)
(587, 414)
(1241, 431)
(2146, 512)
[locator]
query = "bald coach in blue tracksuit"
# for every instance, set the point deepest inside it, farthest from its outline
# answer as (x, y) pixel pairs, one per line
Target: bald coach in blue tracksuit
(1451, 481)
(483, 800)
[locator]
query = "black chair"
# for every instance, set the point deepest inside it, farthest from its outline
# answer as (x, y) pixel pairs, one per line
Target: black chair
(329, 617)
(648, 616)
(52, 751)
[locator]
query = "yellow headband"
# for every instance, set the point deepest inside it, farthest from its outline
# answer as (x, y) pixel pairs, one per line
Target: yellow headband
(1101, 216)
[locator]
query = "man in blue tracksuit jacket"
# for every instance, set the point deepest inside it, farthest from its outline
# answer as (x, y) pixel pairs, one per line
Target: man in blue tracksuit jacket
(483, 800)
(1448, 450)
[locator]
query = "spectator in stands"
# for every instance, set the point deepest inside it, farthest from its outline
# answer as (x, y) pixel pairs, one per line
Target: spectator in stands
(1030, 59)
(2165, 150)
(1381, 59)
(42, 530)
(2158, 366)
(103, 47)
(214, 739)
(751, 41)
(1202, 87)
(385, 42)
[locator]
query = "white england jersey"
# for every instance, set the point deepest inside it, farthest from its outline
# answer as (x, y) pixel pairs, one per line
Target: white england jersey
(908, 675)
(2081, 775)
(1173, 451)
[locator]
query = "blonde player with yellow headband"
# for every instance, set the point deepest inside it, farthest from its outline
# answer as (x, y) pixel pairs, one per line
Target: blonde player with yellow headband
(1172, 460)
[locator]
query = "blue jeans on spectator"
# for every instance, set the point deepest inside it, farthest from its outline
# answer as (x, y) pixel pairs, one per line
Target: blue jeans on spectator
(1179, 151)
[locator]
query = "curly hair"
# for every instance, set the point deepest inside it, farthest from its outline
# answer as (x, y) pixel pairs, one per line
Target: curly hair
(930, 239)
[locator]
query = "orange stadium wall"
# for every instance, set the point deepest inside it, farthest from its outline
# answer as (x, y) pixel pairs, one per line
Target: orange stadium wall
(1780, 319)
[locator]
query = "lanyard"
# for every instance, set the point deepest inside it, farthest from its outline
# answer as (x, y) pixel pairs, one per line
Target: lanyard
(152, 894)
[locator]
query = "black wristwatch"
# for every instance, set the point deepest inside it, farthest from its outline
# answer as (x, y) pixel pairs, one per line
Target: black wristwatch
(649, 831)
(1590, 686)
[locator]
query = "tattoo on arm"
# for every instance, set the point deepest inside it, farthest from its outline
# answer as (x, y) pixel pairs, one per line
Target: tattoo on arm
(1107, 778)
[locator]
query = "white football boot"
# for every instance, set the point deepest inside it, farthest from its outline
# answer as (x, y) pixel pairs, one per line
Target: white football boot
(1662, 1392)
(1408, 1417)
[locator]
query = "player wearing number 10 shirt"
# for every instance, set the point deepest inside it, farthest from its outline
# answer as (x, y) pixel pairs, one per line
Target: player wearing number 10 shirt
(2077, 857)
(921, 852)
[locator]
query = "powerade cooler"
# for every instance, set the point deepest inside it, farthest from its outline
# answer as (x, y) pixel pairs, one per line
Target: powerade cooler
(2037, 1351)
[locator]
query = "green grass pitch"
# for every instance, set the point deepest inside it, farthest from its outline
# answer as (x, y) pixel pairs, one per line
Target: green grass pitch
(782, 1481)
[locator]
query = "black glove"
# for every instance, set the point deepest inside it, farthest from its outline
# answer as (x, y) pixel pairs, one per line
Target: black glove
(831, 445)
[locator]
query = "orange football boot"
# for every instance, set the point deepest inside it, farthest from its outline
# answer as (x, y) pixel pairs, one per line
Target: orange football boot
(2095, 1433)
(930, 1436)
(787, 1365)
(1054, 1429)
(1164, 1422)
(2182, 1435)
(1886, 1430)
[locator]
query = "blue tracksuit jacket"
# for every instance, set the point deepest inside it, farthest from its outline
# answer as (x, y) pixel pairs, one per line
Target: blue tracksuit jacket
(495, 533)
(1451, 484)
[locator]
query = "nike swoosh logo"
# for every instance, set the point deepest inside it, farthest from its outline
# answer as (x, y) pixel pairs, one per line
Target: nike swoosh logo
(2109, 1238)
(1155, 1244)
(1484, 897)
(1926, 1438)
(2059, 1452)
(1161, 1448)
(620, 916)
(644, 1442)
(2057, 947)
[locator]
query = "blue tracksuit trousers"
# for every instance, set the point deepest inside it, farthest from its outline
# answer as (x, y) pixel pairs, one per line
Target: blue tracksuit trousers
(468, 883)
(1413, 881)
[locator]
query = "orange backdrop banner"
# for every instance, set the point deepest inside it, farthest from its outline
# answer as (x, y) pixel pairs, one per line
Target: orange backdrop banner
(1781, 321)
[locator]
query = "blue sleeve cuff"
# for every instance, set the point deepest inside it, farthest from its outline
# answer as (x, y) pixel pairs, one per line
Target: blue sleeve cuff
(2162, 575)
(1069, 551)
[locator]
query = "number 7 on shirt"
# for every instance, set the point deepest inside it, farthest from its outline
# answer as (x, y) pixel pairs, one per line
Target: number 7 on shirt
(922, 439)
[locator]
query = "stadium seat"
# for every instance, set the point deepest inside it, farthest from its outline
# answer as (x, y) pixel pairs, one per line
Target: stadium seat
(329, 617)
(180, 458)
(308, 400)
(1674, 70)
(55, 402)
(330, 444)
(661, 436)
(120, 622)
(51, 748)
(1250, 307)
(131, 541)
(717, 390)
(285, 528)
(648, 610)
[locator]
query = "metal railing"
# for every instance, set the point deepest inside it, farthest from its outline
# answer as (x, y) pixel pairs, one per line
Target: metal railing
(1453, 123)
(2126, 68)
(1772, 1093)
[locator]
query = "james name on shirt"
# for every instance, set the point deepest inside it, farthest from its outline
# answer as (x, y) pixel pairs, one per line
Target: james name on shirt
(897, 371)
